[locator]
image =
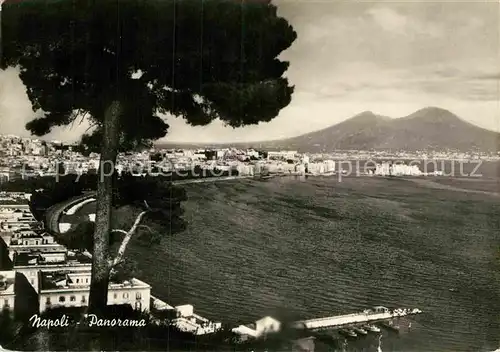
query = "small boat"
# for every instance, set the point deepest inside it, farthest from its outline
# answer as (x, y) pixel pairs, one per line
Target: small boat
(347, 333)
(453, 290)
(390, 326)
(371, 328)
(360, 331)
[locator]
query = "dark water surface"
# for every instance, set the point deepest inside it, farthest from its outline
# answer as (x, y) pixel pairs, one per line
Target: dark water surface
(297, 248)
(319, 247)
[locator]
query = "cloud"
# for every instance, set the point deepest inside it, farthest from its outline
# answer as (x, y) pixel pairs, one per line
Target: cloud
(389, 57)
(392, 21)
(489, 76)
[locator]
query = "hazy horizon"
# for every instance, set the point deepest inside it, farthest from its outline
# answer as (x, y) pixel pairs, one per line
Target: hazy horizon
(386, 57)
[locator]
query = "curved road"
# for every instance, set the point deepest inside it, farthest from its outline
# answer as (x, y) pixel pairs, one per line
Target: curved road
(53, 214)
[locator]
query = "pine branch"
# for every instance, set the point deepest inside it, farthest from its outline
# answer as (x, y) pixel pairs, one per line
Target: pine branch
(127, 238)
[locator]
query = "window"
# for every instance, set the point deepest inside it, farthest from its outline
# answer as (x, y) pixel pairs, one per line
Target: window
(77, 280)
(32, 282)
(84, 299)
(87, 281)
(138, 295)
(115, 296)
(72, 298)
(125, 295)
(6, 302)
(62, 299)
(47, 301)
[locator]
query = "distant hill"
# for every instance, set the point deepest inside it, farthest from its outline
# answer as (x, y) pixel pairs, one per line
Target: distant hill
(430, 128)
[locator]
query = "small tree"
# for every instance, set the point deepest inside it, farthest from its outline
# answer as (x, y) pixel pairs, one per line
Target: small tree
(121, 63)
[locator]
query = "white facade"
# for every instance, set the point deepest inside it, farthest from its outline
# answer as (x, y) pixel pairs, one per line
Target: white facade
(280, 167)
(386, 169)
(188, 321)
(29, 248)
(245, 170)
(300, 168)
(321, 167)
(31, 238)
(285, 154)
(48, 262)
(253, 153)
(71, 289)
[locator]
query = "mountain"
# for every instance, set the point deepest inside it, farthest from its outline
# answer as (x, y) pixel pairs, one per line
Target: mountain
(430, 128)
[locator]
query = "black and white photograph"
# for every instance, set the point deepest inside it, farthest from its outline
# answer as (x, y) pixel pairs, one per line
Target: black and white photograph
(250, 175)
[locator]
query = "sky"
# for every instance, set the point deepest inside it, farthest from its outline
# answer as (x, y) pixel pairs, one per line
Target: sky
(388, 57)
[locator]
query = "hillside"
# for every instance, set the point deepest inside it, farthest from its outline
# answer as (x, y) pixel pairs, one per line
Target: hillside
(429, 128)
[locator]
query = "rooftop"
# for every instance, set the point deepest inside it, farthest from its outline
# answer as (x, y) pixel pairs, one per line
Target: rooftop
(68, 279)
(36, 258)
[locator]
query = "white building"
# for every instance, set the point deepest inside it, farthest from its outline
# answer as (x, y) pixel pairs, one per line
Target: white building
(300, 168)
(385, 169)
(30, 264)
(13, 212)
(329, 165)
(279, 167)
(7, 294)
(316, 168)
(26, 242)
(185, 318)
(191, 322)
(251, 152)
(245, 170)
(71, 289)
(14, 217)
(284, 154)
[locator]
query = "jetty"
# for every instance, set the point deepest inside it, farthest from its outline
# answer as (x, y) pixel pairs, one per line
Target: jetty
(367, 316)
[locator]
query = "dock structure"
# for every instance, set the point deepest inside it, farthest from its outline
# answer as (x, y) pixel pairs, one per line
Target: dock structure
(367, 316)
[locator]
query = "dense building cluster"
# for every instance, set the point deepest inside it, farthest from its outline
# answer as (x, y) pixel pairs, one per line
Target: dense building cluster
(25, 157)
(60, 277)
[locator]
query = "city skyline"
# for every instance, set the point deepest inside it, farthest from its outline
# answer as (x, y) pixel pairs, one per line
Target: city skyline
(389, 58)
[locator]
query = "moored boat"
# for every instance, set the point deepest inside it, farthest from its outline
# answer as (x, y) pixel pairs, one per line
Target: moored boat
(371, 328)
(347, 333)
(359, 331)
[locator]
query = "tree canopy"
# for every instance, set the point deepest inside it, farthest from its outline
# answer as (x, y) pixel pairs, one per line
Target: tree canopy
(122, 63)
(199, 59)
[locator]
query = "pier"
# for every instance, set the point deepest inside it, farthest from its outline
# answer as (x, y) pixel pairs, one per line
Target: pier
(368, 316)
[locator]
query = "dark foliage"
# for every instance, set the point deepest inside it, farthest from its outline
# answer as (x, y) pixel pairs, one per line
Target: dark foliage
(52, 193)
(80, 237)
(82, 337)
(158, 197)
(29, 185)
(133, 194)
(125, 271)
(7, 328)
(201, 60)
(158, 334)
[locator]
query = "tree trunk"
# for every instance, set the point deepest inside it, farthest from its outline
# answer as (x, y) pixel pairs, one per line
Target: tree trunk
(100, 258)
